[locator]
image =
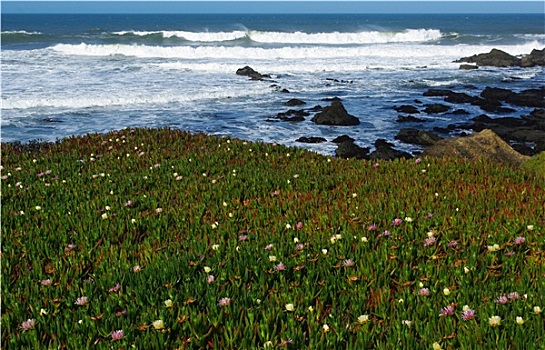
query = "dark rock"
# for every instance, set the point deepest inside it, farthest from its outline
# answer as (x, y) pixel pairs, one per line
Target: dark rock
(442, 130)
(342, 138)
(293, 115)
(384, 150)
(497, 94)
(468, 67)
(535, 58)
(349, 149)
(417, 137)
(409, 119)
(437, 93)
(295, 102)
(335, 114)
(460, 112)
(311, 139)
(408, 109)
(250, 72)
(485, 145)
(285, 91)
(495, 58)
(524, 149)
(316, 108)
(331, 99)
(528, 98)
(436, 108)
(459, 97)
(491, 105)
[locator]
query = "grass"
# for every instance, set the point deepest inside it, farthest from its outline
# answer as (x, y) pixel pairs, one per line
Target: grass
(161, 239)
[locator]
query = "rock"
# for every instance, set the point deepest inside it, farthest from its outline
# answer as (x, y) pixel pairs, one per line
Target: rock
(250, 72)
(459, 97)
(295, 102)
(528, 98)
(349, 149)
(460, 112)
(436, 108)
(335, 114)
(497, 94)
(407, 109)
(342, 138)
(417, 137)
(485, 145)
(384, 150)
(535, 58)
(331, 99)
(437, 92)
(409, 119)
(311, 139)
(495, 58)
(468, 67)
(293, 115)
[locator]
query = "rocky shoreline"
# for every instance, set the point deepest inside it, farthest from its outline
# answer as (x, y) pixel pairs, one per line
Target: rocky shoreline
(513, 136)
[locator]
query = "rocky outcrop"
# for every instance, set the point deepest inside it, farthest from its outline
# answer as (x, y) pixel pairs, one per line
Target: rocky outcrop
(250, 72)
(485, 145)
(417, 137)
(311, 139)
(495, 58)
(498, 58)
(348, 149)
(295, 102)
(386, 151)
(335, 114)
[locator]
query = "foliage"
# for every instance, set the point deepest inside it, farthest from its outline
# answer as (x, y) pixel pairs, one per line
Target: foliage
(168, 240)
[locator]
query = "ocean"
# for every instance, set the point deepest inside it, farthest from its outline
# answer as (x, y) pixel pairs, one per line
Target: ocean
(66, 75)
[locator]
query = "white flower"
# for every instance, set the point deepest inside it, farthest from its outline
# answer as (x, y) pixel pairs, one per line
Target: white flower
(520, 320)
(530, 227)
(288, 226)
(537, 310)
(407, 323)
(364, 239)
(272, 258)
(465, 308)
(494, 321)
(446, 291)
(296, 240)
(436, 346)
(38, 207)
(466, 269)
(168, 303)
(207, 269)
(107, 207)
(159, 324)
(493, 248)
(408, 219)
(215, 246)
(104, 216)
(325, 327)
(363, 319)
(289, 307)
(43, 312)
(215, 225)
(324, 251)
(430, 233)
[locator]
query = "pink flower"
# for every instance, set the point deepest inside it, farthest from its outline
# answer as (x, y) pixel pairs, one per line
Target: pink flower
(118, 335)
(136, 268)
(280, 267)
(502, 300)
(372, 227)
(300, 247)
(224, 301)
(429, 241)
(468, 315)
(447, 311)
(424, 292)
(508, 254)
(28, 324)
(114, 288)
(46, 282)
(452, 244)
(386, 233)
(158, 210)
(513, 296)
(285, 342)
(348, 263)
(417, 160)
(210, 279)
(128, 203)
(299, 225)
(269, 247)
(397, 222)
(242, 237)
(81, 301)
(519, 240)
(376, 165)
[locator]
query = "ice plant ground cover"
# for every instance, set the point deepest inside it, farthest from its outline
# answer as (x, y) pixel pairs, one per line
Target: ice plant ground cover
(159, 239)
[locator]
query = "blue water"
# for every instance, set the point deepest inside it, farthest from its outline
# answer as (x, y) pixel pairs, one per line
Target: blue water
(68, 75)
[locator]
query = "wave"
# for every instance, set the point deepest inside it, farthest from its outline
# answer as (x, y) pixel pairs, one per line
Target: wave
(19, 32)
(332, 38)
(395, 50)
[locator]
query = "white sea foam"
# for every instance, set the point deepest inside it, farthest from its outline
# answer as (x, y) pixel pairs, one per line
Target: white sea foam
(24, 32)
(331, 38)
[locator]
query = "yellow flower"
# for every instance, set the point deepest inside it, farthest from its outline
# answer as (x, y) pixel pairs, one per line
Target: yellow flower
(446, 291)
(290, 307)
(494, 321)
(207, 269)
(520, 320)
(537, 310)
(159, 324)
(168, 303)
(363, 319)
(436, 346)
